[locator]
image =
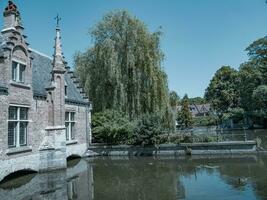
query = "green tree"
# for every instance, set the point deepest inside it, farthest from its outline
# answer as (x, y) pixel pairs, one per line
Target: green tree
(222, 91)
(250, 78)
(123, 70)
(174, 99)
(197, 100)
(147, 130)
(174, 102)
(260, 98)
(253, 76)
(257, 52)
(185, 118)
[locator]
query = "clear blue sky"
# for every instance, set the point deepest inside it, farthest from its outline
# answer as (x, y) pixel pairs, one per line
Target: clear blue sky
(199, 35)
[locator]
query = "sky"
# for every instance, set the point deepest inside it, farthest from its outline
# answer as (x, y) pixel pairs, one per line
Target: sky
(199, 36)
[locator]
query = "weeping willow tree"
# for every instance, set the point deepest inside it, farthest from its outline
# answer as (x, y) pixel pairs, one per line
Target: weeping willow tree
(123, 70)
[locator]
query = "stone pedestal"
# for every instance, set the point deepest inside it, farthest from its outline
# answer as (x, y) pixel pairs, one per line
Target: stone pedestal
(53, 149)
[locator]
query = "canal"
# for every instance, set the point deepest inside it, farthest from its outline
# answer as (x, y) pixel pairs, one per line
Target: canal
(147, 178)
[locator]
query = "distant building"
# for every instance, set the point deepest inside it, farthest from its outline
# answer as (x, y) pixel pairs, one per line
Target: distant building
(198, 110)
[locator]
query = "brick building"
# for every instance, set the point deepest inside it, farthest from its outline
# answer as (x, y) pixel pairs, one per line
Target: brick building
(44, 113)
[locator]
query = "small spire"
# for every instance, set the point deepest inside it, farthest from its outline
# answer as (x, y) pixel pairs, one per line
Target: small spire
(58, 62)
(58, 19)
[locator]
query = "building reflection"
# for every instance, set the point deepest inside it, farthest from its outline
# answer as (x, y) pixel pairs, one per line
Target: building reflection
(41, 186)
(106, 179)
(142, 178)
(71, 184)
(80, 181)
(72, 188)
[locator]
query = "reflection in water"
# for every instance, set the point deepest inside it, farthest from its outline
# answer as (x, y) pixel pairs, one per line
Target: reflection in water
(148, 178)
(72, 162)
(72, 188)
(17, 182)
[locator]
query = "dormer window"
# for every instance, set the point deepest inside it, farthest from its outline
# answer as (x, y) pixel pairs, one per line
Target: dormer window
(18, 72)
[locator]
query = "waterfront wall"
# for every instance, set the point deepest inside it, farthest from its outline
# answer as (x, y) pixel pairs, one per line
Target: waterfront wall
(60, 184)
(44, 160)
(238, 147)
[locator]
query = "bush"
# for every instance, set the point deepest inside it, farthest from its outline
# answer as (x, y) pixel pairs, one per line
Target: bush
(147, 130)
(111, 127)
(187, 137)
(204, 121)
(207, 138)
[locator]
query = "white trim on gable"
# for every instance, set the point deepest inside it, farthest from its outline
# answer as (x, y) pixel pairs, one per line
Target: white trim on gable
(42, 54)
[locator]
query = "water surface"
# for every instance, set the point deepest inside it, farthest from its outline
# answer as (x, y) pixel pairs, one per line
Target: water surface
(147, 178)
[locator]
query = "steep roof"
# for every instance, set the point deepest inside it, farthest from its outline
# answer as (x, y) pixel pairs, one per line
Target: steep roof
(2, 45)
(41, 77)
(3, 87)
(197, 108)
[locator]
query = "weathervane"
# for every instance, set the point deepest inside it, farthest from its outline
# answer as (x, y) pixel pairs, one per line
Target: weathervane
(58, 19)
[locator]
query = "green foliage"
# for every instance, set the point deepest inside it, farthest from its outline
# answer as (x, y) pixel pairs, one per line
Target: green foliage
(147, 130)
(222, 91)
(260, 97)
(258, 50)
(174, 99)
(197, 100)
(184, 117)
(187, 137)
(250, 78)
(123, 70)
(235, 95)
(256, 96)
(205, 120)
(111, 127)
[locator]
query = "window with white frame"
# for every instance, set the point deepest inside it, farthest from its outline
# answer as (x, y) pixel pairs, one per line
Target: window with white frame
(18, 72)
(69, 123)
(17, 126)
